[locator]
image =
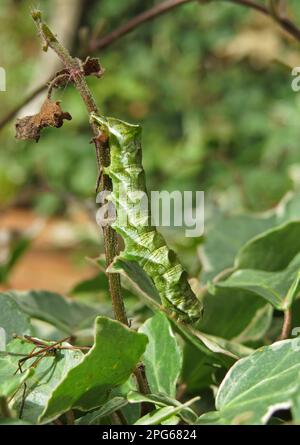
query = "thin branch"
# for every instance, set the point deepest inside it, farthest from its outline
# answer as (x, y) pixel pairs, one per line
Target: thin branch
(283, 21)
(122, 417)
(146, 16)
(140, 375)
(154, 12)
(12, 114)
(251, 4)
(168, 5)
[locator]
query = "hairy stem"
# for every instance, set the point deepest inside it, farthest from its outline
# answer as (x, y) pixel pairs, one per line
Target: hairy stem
(143, 385)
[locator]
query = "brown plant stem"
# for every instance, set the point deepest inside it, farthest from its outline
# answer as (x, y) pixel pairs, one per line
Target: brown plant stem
(121, 417)
(282, 20)
(4, 408)
(287, 324)
(143, 385)
(168, 5)
(145, 16)
(70, 417)
(74, 67)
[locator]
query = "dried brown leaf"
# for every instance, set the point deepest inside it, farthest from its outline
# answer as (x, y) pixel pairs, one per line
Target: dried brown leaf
(92, 67)
(51, 115)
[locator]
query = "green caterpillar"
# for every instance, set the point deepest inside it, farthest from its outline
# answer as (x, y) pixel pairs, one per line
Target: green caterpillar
(143, 243)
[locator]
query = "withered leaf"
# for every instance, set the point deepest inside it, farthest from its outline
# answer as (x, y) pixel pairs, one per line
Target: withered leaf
(51, 115)
(92, 67)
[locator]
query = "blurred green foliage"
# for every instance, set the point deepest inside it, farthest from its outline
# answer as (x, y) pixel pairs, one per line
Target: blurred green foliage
(217, 109)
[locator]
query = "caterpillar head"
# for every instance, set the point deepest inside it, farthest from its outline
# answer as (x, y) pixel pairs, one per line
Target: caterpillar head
(124, 140)
(122, 131)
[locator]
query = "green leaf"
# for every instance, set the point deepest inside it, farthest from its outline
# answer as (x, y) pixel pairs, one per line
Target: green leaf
(107, 409)
(198, 370)
(258, 326)
(161, 400)
(9, 381)
(224, 240)
(174, 420)
(222, 305)
(49, 372)
(65, 314)
(258, 385)
(13, 422)
(289, 208)
(233, 315)
(210, 418)
(137, 278)
(278, 288)
(16, 252)
(227, 235)
(160, 415)
(256, 194)
(209, 345)
(92, 285)
(12, 319)
(296, 409)
(223, 346)
(272, 250)
(108, 364)
(131, 413)
(162, 359)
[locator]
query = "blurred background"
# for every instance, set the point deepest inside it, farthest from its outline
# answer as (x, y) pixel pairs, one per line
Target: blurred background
(211, 86)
